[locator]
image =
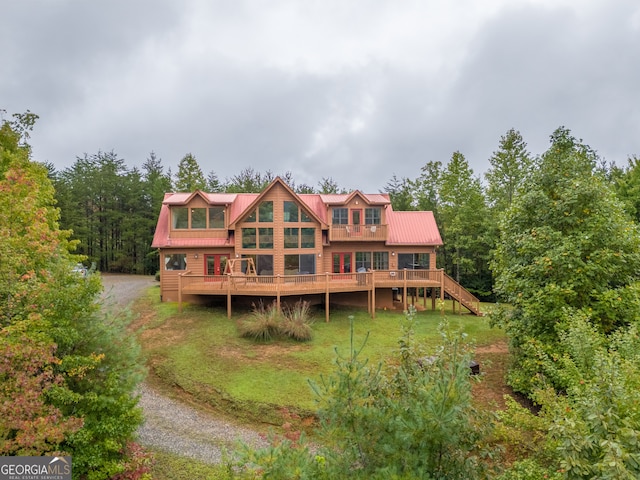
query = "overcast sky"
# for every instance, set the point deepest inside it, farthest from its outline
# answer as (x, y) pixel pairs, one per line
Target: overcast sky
(349, 89)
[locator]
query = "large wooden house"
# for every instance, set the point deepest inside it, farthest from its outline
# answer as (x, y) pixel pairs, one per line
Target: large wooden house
(279, 245)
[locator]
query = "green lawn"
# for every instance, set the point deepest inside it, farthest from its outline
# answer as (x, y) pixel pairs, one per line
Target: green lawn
(200, 352)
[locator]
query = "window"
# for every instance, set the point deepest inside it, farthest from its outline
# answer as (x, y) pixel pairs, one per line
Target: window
(308, 263)
(304, 217)
(299, 264)
(265, 212)
(413, 261)
(340, 216)
(291, 237)
(180, 217)
(263, 263)
(290, 212)
(216, 217)
(251, 217)
(308, 237)
(372, 216)
(248, 238)
(198, 218)
(175, 261)
(381, 260)
(265, 237)
(363, 260)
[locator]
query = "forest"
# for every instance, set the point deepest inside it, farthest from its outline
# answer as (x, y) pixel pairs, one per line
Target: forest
(112, 209)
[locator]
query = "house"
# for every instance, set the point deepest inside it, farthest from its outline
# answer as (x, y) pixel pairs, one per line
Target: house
(279, 245)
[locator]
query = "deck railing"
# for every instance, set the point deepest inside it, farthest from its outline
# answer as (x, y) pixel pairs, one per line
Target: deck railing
(358, 233)
(239, 283)
(276, 285)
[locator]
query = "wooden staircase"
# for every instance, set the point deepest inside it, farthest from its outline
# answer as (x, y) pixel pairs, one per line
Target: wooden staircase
(462, 295)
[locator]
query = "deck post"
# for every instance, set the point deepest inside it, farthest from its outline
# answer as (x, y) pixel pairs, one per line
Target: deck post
(278, 293)
(404, 293)
(373, 295)
(442, 289)
(229, 295)
(180, 293)
(326, 297)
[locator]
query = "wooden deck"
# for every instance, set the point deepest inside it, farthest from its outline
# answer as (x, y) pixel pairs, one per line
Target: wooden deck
(283, 285)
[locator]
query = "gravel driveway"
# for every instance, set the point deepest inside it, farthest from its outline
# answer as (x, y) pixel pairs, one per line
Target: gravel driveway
(170, 425)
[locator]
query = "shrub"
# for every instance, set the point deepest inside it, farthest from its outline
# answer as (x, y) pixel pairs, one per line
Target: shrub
(406, 421)
(267, 323)
(263, 323)
(297, 321)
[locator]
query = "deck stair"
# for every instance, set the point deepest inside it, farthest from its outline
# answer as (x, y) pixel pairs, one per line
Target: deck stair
(462, 295)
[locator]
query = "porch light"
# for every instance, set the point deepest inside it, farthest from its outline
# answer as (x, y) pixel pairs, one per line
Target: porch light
(195, 255)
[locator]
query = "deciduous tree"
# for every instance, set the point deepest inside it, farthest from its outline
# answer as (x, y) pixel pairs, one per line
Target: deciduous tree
(566, 245)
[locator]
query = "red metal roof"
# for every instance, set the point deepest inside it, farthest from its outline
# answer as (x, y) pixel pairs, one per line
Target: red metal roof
(412, 228)
(338, 198)
(405, 228)
(243, 200)
(314, 203)
(161, 235)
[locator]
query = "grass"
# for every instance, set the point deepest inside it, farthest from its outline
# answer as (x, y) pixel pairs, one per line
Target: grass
(168, 466)
(201, 353)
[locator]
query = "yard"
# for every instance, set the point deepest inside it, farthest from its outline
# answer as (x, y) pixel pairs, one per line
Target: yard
(201, 356)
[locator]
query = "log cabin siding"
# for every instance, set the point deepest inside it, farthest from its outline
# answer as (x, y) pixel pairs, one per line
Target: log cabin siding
(413, 233)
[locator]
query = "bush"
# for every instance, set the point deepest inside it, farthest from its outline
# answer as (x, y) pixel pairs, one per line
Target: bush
(267, 323)
(297, 321)
(403, 421)
(263, 323)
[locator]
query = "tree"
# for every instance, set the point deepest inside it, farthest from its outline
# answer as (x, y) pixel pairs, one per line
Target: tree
(400, 193)
(329, 185)
(49, 310)
(626, 182)
(510, 165)
(28, 424)
(566, 245)
(428, 186)
(213, 183)
(189, 177)
(412, 419)
(462, 213)
(248, 181)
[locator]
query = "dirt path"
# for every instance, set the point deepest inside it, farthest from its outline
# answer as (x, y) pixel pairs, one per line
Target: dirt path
(171, 425)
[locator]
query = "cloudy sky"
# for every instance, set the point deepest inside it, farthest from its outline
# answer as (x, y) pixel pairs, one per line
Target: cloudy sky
(353, 90)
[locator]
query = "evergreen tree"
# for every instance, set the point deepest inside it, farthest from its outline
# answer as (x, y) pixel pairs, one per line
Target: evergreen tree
(189, 177)
(510, 165)
(213, 183)
(463, 226)
(400, 193)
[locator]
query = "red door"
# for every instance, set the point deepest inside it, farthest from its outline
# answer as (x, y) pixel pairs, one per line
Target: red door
(341, 263)
(215, 265)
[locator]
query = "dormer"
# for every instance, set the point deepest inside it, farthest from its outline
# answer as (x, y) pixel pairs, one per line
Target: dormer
(357, 216)
(198, 213)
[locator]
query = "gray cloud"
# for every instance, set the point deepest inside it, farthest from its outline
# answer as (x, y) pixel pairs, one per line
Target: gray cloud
(331, 89)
